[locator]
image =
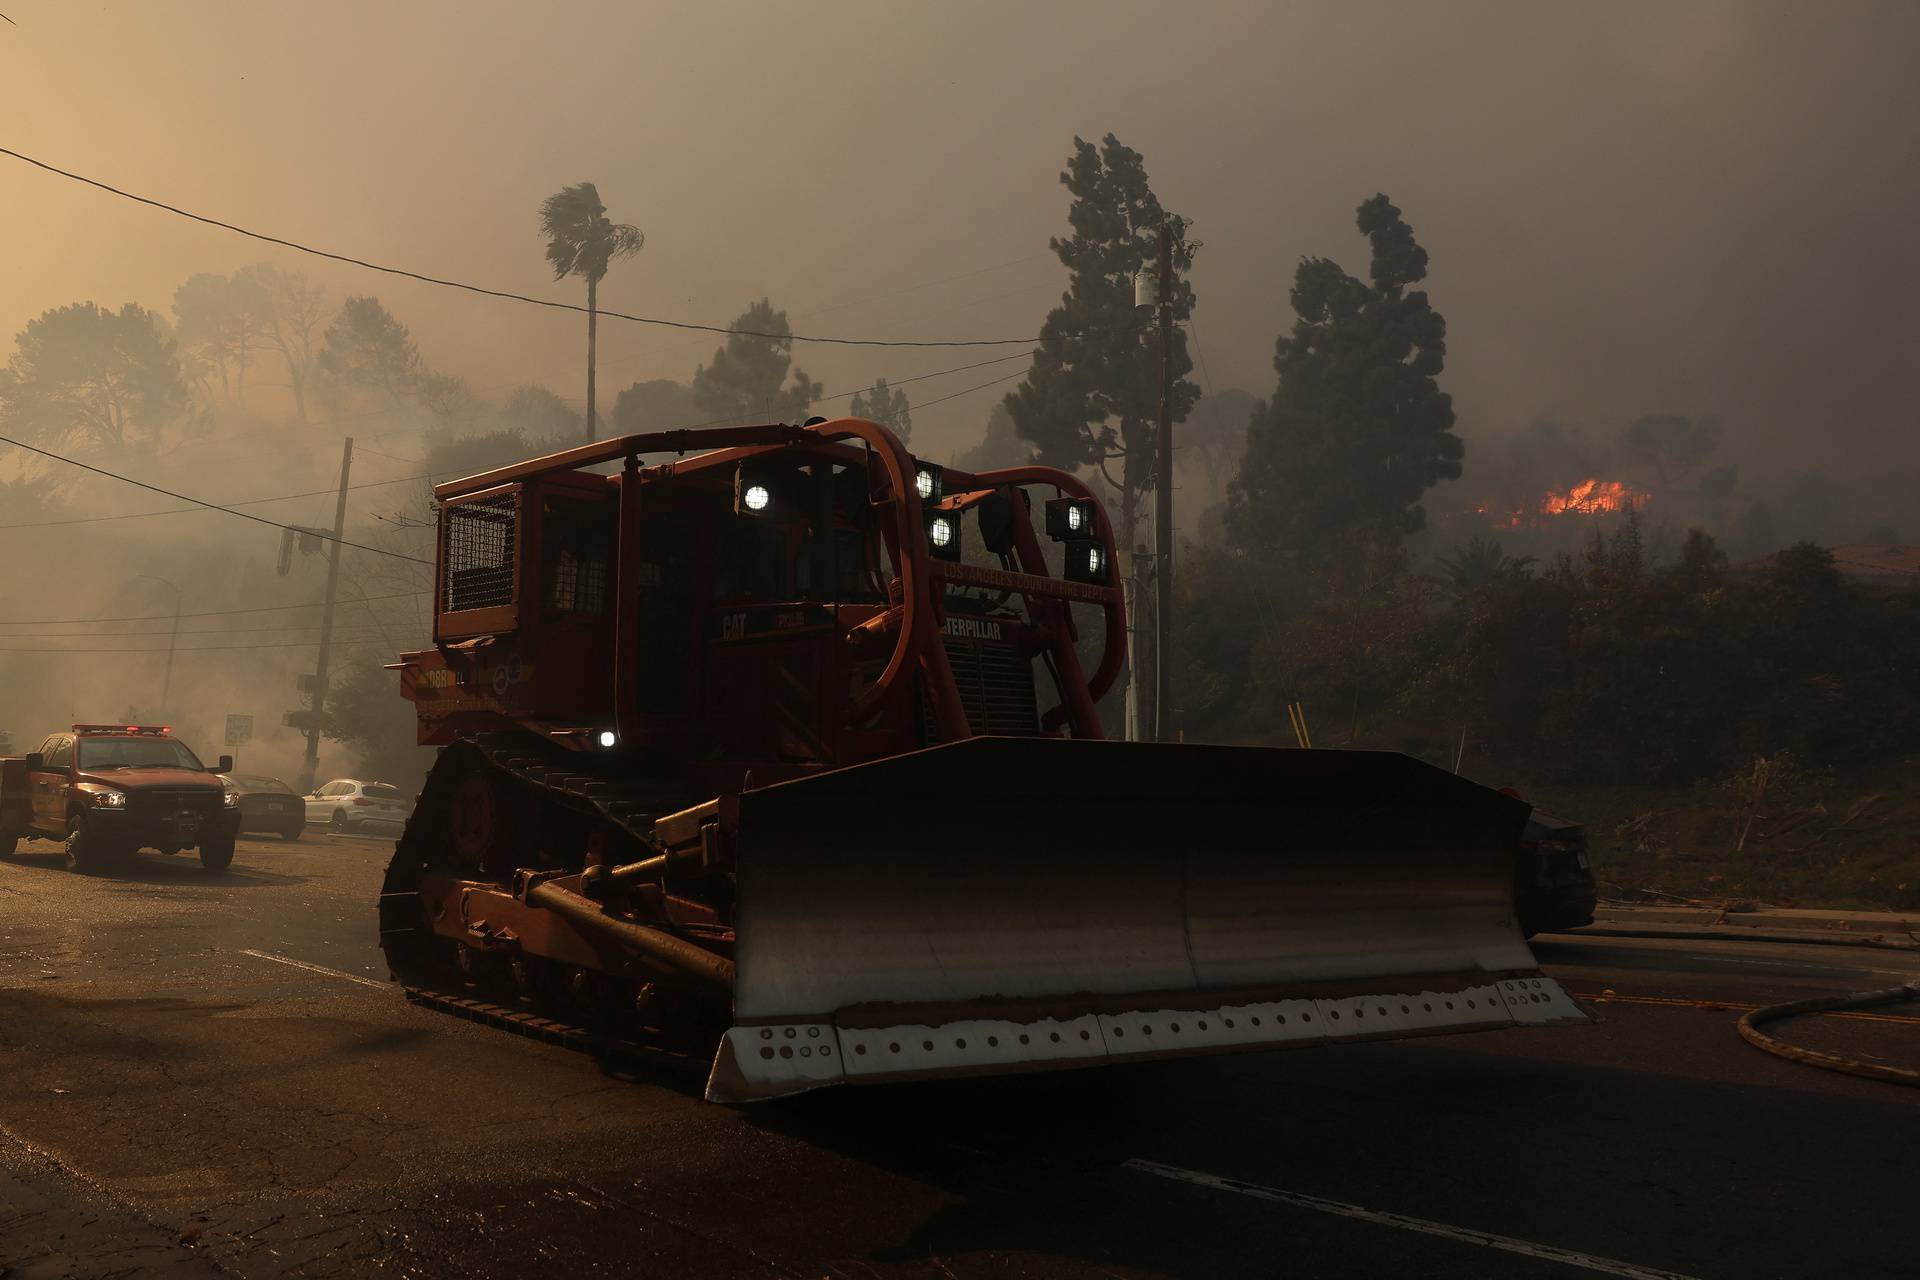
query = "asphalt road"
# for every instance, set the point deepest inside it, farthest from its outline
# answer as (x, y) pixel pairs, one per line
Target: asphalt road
(207, 1075)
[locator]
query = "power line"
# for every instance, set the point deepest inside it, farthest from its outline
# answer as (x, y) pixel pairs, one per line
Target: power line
(213, 506)
(499, 293)
(205, 613)
(938, 373)
(175, 511)
(968, 391)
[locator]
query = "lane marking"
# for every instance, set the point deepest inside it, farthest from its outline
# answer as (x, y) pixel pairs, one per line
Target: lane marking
(316, 968)
(1646, 946)
(1485, 1239)
(1728, 1006)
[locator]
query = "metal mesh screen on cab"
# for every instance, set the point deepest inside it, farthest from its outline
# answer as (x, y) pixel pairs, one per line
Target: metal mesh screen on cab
(480, 546)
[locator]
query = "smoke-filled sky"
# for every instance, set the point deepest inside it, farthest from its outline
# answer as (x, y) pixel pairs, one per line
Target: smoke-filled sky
(1631, 208)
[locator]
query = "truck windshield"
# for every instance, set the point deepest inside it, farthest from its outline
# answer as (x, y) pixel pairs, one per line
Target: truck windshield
(135, 753)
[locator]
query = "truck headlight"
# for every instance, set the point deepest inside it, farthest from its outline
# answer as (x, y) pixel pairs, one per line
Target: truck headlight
(231, 799)
(109, 799)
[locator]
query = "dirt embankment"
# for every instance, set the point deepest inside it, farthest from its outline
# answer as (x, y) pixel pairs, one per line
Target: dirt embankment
(1779, 832)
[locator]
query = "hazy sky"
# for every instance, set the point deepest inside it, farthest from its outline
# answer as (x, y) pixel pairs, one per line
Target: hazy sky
(1699, 208)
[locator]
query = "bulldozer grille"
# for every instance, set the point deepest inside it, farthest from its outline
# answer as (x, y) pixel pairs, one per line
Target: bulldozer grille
(481, 540)
(996, 688)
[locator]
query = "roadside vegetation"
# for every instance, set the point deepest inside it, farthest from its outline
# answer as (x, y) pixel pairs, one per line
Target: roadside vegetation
(1776, 832)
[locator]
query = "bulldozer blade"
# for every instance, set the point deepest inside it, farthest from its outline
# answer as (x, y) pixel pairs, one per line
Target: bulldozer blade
(1003, 904)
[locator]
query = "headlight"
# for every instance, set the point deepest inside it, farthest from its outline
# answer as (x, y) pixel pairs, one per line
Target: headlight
(943, 534)
(609, 739)
(756, 497)
(1086, 562)
(109, 799)
(231, 799)
(1069, 518)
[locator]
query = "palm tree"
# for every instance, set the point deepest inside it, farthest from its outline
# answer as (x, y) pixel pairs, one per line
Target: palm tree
(582, 242)
(1477, 562)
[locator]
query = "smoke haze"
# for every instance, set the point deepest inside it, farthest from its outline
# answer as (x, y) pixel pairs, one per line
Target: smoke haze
(1699, 209)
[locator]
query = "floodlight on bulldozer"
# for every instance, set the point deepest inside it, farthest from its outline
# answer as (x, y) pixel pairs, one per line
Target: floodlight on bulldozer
(753, 491)
(1069, 519)
(1086, 562)
(943, 535)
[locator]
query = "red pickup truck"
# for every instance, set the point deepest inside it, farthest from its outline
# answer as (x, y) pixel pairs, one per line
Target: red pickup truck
(108, 790)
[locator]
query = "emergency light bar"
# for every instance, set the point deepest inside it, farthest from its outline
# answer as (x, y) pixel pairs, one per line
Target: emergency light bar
(154, 730)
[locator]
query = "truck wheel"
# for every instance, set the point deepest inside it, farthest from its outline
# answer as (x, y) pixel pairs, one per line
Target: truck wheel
(290, 833)
(216, 853)
(84, 852)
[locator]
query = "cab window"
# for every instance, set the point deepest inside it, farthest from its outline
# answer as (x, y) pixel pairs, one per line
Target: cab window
(60, 755)
(578, 536)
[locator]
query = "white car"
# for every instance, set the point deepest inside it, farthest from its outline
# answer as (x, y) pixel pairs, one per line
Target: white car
(349, 804)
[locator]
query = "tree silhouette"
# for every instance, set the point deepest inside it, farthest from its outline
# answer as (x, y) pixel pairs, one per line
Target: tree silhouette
(885, 405)
(1358, 428)
(581, 241)
(660, 404)
(289, 309)
(1093, 394)
(747, 379)
(367, 348)
(81, 373)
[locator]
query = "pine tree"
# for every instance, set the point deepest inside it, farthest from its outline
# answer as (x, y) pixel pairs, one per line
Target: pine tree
(1358, 428)
(885, 405)
(1092, 397)
(747, 380)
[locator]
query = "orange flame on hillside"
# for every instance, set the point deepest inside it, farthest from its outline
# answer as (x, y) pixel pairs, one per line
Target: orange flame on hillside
(1588, 498)
(1595, 497)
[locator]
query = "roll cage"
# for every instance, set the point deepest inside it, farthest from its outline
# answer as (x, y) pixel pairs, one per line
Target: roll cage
(488, 599)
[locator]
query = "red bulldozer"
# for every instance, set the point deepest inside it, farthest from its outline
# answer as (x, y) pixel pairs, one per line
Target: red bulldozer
(778, 745)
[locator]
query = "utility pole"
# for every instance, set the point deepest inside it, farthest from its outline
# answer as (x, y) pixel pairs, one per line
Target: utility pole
(1131, 581)
(312, 764)
(1163, 506)
(173, 637)
(593, 342)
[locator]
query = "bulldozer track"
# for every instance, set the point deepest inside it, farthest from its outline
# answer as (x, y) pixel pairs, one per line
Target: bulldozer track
(542, 768)
(626, 805)
(612, 1052)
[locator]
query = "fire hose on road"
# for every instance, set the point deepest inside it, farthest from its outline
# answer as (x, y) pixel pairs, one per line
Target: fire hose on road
(1751, 1022)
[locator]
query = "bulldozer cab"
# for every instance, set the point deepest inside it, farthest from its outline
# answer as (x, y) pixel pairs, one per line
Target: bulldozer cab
(814, 598)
